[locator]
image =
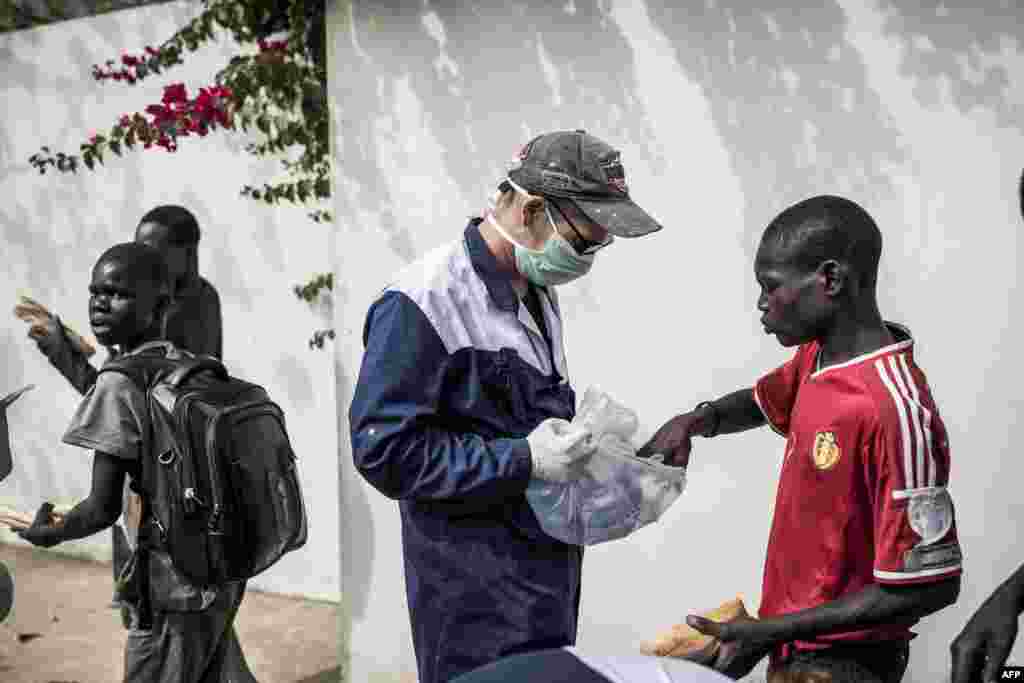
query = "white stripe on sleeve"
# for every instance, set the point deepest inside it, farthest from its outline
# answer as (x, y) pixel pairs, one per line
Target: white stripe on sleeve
(914, 417)
(921, 574)
(929, 453)
(908, 464)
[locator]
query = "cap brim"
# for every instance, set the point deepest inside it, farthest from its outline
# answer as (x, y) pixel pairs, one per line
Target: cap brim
(622, 218)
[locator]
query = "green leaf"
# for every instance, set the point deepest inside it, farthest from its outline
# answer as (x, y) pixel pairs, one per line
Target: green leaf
(89, 161)
(56, 9)
(129, 139)
(115, 147)
(323, 188)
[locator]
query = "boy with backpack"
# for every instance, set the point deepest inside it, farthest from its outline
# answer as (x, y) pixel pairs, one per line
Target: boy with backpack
(196, 546)
(192, 322)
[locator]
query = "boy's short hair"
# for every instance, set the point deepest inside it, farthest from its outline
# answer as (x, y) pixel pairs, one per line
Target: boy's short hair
(145, 263)
(183, 228)
(829, 227)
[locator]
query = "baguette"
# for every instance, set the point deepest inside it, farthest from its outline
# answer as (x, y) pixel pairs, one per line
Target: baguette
(37, 316)
(19, 520)
(685, 642)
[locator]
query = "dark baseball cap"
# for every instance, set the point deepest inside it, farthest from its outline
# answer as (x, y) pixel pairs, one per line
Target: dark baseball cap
(574, 165)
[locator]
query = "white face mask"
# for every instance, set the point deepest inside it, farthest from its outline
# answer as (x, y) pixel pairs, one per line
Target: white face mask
(555, 263)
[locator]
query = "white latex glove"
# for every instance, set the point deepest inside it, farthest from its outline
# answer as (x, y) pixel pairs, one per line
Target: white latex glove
(558, 448)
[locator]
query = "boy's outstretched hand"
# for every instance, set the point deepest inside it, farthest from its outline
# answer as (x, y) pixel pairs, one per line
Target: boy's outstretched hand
(43, 532)
(673, 440)
(741, 648)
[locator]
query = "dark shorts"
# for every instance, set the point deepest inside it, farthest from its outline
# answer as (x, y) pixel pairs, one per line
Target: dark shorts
(867, 663)
(189, 647)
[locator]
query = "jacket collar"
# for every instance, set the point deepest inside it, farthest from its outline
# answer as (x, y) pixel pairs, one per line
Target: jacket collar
(486, 266)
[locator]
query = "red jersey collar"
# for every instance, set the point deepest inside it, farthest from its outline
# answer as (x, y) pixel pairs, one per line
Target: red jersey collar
(898, 330)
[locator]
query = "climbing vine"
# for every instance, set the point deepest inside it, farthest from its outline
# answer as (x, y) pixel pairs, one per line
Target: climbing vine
(275, 85)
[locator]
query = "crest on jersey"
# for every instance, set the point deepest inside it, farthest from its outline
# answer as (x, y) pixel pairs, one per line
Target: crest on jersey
(826, 451)
(930, 512)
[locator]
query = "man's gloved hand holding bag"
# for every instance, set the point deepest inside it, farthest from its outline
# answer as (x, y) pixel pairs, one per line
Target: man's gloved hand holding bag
(558, 448)
(604, 491)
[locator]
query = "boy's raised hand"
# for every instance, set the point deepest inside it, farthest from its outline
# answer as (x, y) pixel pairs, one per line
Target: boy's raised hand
(43, 532)
(47, 335)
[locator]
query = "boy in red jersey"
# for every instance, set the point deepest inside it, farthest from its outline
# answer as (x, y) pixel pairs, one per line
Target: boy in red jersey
(863, 542)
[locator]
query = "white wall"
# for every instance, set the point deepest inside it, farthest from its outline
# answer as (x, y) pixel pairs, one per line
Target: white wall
(725, 115)
(53, 227)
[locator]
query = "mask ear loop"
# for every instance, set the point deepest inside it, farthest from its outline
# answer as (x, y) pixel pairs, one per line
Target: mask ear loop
(554, 231)
(493, 220)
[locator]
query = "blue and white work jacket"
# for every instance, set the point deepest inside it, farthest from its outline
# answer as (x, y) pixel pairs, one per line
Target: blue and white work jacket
(455, 374)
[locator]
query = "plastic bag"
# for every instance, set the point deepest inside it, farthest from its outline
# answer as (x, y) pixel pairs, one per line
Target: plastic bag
(617, 493)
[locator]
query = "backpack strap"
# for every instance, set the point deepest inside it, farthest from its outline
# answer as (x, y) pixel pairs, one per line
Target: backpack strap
(196, 365)
(136, 368)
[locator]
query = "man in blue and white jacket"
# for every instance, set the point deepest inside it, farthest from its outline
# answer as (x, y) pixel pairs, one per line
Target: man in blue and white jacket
(463, 397)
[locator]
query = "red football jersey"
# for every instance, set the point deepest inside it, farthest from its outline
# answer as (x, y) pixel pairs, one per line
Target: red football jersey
(862, 493)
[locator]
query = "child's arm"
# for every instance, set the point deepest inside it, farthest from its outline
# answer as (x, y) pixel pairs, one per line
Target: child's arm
(69, 360)
(746, 641)
(97, 512)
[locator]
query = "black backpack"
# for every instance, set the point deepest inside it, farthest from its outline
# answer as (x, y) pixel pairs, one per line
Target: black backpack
(221, 488)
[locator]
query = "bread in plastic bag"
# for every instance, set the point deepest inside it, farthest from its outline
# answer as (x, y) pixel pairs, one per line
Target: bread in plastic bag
(685, 642)
(617, 493)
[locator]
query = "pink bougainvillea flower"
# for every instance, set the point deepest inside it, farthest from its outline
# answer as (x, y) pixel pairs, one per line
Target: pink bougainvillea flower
(157, 111)
(175, 92)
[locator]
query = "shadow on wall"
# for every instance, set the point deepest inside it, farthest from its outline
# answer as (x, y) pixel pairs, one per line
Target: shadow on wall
(14, 369)
(775, 71)
(793, 74)
(295, 377)
(218, 255)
